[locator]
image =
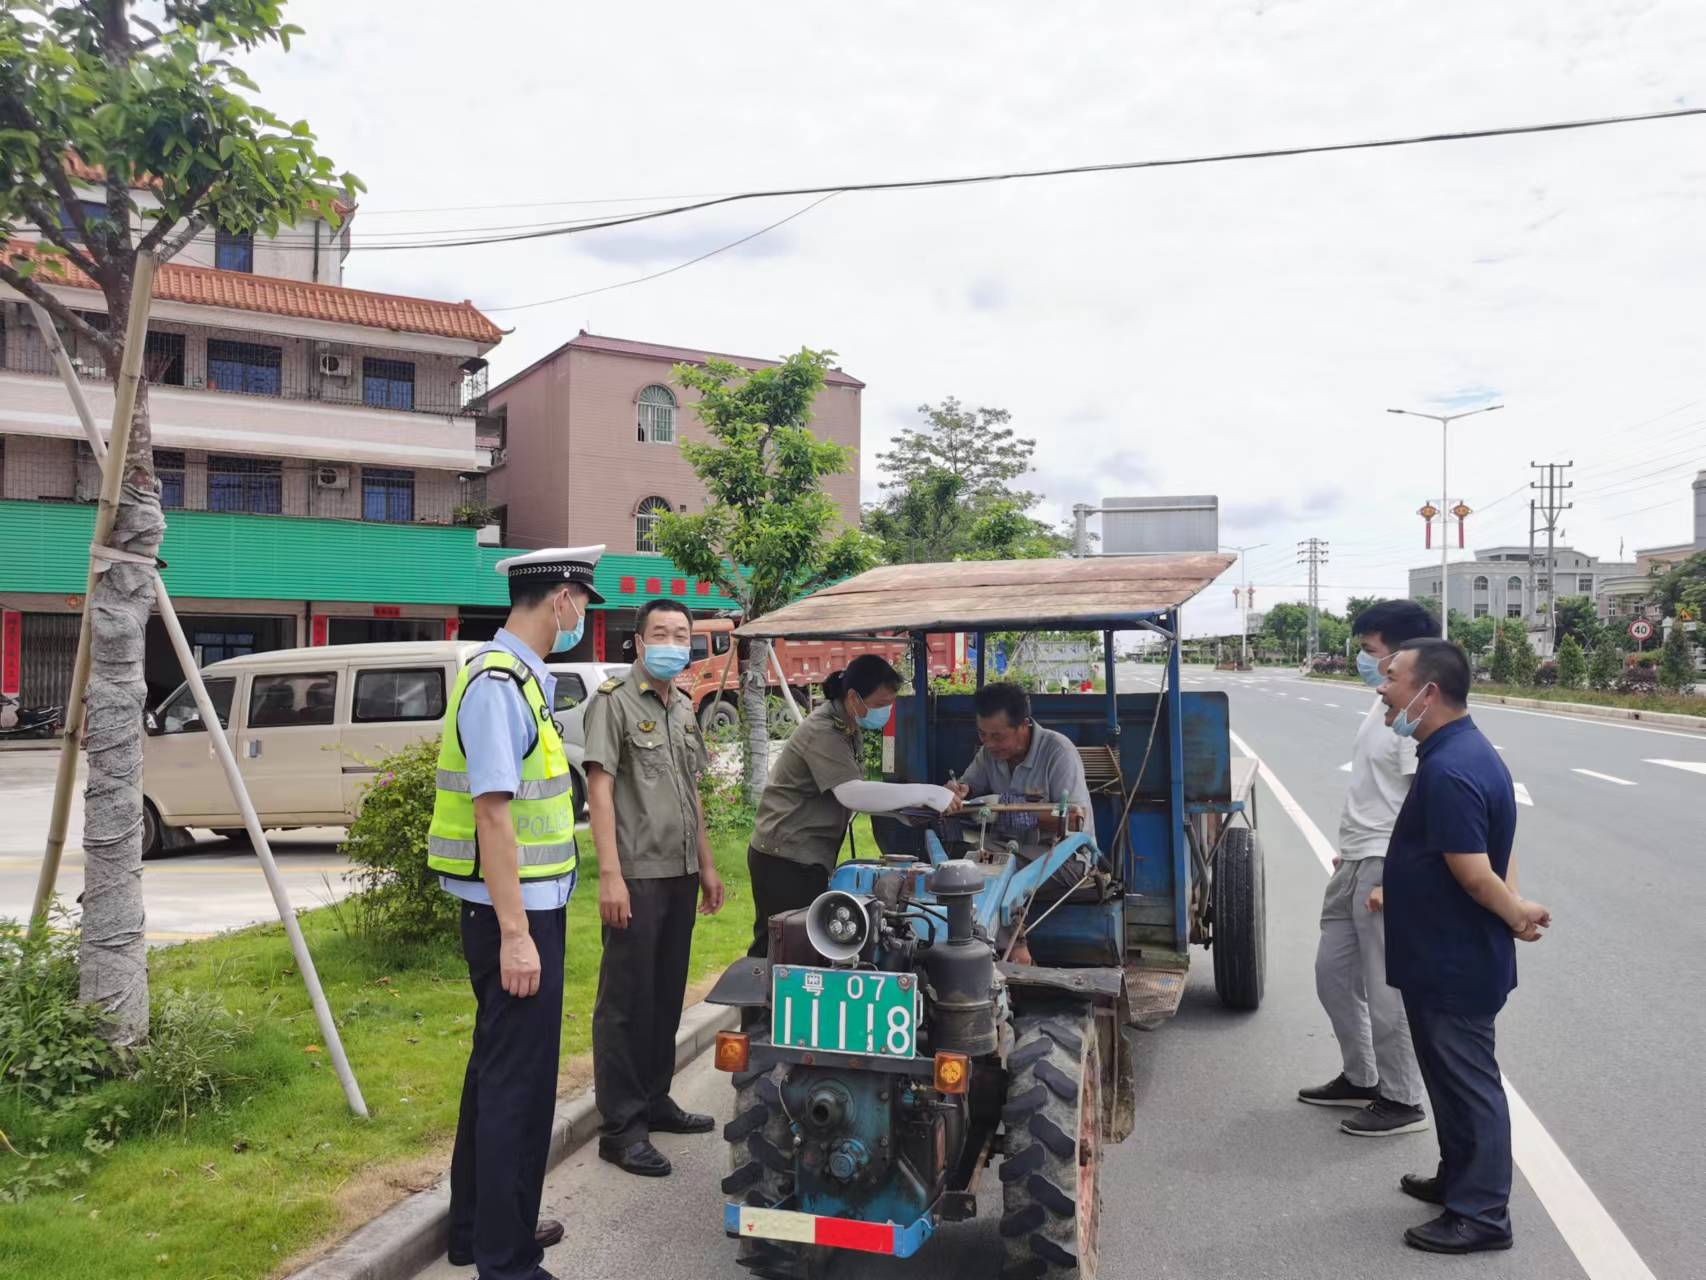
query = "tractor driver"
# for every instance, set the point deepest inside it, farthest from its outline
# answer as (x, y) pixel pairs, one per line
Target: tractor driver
(1018, 760)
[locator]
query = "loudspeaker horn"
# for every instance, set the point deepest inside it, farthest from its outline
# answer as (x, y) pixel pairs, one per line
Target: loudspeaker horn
(838, 925)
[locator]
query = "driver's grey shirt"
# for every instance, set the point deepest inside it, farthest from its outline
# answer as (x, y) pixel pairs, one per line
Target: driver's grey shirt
(1050, 769)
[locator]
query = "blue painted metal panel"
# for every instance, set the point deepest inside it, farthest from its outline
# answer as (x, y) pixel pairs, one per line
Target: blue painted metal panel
(1176, 797)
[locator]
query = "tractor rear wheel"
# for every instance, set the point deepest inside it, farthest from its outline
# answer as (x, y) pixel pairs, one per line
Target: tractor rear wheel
(761, 1169)
(1050, 1189)
(1239, 907)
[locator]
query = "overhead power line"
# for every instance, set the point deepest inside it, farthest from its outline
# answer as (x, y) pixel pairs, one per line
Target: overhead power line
(1017, 175)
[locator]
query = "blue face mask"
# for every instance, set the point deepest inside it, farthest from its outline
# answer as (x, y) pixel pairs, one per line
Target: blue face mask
(568, 639)
(1368, 667)
(1403, 726)
(875, 717)
(666, 661)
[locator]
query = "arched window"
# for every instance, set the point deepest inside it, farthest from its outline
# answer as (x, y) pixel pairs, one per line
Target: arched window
(1515, 584)
(1481, 584)
(657, 415)
(646, 522)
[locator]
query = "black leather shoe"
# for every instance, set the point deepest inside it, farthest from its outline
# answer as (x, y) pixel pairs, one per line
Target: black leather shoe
(1449, 1233)
(1424, 1189)
(547, 1233)
(675, 1120)
(639, 1158)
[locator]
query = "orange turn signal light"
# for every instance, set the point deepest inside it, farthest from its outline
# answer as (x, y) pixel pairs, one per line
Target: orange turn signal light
(732, 1051)
(953, 1073)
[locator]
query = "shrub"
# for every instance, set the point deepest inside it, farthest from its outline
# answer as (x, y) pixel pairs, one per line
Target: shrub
(1605, 664)
(50, 1041)
(1501, 668)
(1572, 665)
(1545, 674)
(186, 1059)
(1524, 661)
(1637, 679)
(1676, 663)
(400, 899)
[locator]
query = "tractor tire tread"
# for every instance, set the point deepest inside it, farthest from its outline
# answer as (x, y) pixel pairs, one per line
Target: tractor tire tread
(747, 1122)
(1026, 1162)
(761, 1163)
(1023, 1221)
(1051, 1197)
(1025, 1055)
(1051, 1135)
(1020, 1106)
(1062, 1085)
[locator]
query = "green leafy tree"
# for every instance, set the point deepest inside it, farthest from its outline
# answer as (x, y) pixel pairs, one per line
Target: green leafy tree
(1286, 628)
(1676, 660)
(1357, 604)
(116, 98)
(974, 445)
(1605, 664)
(1578, 617)
(1572, 664)
(1502, 667)
(934, 517)
(1474, 634)
(1524, 662)
(767, 512)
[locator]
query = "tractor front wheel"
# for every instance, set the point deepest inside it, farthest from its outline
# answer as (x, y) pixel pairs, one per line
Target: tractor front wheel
(1051, 1194)
(761, 1170)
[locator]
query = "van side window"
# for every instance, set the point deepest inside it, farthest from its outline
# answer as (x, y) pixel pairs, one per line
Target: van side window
(701, 649)
(412, 694)
(179, 715)
(571, 692)
(720, 642)
(283, 701)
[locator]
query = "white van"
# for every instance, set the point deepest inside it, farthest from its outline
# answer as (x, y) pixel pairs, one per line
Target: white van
(309, 727)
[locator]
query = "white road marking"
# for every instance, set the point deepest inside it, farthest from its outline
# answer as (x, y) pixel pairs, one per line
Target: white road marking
(1282, 693)
(1333, 705)
(1693, 766)
(1522, 796)
(1598, 1243)
(1497, 747)
(1301, 698)
(1345, 767)
(1603, 777)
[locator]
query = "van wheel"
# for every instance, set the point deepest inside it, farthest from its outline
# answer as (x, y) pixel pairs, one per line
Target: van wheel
(153, 834)
(719, 715)
(580, 794)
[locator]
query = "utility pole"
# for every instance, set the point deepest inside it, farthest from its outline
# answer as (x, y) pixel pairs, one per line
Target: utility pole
(1242, 597)
(1551, 506)
(1313, 552)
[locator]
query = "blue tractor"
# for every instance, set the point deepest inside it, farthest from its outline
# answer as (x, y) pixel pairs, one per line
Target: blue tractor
(952, 998)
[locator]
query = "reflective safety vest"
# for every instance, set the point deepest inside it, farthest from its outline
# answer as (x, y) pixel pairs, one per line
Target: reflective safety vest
(542, 810)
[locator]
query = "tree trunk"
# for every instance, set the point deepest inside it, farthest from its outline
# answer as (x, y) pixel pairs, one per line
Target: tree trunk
(755, 715)
(113, 959)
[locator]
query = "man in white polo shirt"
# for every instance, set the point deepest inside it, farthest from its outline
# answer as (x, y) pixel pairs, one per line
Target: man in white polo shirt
(1380, 1076)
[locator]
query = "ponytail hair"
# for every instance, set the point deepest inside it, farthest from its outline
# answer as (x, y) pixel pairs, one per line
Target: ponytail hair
(864, 676)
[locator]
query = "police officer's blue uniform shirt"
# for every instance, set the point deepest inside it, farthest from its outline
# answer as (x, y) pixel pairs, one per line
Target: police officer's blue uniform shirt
(1443, 950)
(497, 730)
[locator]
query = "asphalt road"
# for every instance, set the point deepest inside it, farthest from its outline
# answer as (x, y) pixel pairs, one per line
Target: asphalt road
(215, 885)
(1226, 1175)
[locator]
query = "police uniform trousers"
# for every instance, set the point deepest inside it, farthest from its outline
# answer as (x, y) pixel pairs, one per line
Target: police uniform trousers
(1471, 1113)
(509, 1094)
(642, 980)
(778, 885)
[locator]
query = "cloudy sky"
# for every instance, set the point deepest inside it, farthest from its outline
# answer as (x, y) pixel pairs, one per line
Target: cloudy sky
(1230, 329)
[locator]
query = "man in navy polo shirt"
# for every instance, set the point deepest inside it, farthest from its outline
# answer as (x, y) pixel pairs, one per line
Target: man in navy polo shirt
(1453, 918)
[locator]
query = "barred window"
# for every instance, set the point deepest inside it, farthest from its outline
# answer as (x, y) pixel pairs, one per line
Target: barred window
(244, 367)
(646, 521)
(387, 494)
(233, 250)
(657, 415)
(388, 384)
(169, 468)
(248, 485)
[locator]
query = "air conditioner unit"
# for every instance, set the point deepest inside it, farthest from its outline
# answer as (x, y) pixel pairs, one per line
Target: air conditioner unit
(333, 365)
(331, 478)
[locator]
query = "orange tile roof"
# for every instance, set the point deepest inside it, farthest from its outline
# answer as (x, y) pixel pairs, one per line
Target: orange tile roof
(205, 286)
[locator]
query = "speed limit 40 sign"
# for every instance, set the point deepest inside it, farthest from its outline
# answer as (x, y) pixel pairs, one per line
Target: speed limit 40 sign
(1641, 630)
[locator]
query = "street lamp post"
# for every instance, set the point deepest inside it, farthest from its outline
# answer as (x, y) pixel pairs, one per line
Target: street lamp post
(1244, 583)
(1445, 420)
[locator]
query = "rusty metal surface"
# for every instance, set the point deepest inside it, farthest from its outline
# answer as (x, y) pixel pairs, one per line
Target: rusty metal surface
(1154, 994)
(995, 594)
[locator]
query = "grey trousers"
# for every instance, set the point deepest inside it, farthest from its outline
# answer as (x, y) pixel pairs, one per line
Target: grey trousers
(1350, 978)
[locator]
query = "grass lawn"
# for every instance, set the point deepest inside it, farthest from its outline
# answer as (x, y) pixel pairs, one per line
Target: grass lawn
(282, 1166)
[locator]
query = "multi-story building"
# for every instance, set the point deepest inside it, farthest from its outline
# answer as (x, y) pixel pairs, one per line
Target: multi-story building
(1629, 597)
(1500, 582)
(314, 444)
(592, 436)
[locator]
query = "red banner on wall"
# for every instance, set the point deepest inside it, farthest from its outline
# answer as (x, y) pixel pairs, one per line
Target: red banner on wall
(318, 629)
(387, 611)
(11, 652)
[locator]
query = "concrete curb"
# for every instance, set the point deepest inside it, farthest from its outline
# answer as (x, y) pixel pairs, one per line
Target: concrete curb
(411, 1235)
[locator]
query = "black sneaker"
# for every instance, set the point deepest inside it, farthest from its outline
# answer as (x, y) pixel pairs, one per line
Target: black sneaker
(1384, 1118)
(1340, 1092)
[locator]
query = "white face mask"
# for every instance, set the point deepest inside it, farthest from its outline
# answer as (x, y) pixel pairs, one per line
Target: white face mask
(568, 639)
(1405, 727)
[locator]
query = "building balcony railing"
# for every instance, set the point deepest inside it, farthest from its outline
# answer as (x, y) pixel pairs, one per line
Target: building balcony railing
(402, 382)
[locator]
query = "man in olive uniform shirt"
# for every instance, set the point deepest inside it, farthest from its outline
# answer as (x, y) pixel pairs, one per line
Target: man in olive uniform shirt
(644, 756)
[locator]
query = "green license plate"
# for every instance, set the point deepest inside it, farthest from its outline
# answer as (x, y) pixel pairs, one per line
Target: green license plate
(844, 1011)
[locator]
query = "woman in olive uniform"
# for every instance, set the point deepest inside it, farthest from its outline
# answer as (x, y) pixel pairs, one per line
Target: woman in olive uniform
(816, 786)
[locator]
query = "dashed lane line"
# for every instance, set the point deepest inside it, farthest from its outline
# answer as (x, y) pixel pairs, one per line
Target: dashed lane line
(1522, 796)
(1345, 767)
(1692, 766)
(1603, 777)
(1598, 1243)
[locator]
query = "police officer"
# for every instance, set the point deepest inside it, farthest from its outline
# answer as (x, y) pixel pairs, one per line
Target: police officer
(502, 840)
(644, 756)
